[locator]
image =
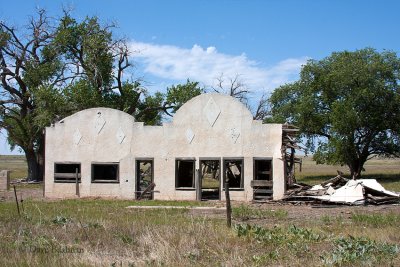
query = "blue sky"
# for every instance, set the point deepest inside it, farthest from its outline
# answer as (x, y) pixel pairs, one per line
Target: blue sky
(265, 42)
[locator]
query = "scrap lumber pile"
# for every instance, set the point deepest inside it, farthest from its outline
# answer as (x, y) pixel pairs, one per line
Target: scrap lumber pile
(340, 190)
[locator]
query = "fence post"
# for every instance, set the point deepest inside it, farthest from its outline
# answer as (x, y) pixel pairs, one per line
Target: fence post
(16, 200)
(77, 182)
(228, 205)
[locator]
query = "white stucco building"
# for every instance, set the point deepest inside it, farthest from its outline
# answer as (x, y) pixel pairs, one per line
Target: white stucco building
(212, 137)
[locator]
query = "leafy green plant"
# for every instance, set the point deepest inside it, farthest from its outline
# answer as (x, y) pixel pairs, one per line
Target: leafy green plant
(278, 234)
(61, 220)
(305, 234)
(261, 260)
(359, 249)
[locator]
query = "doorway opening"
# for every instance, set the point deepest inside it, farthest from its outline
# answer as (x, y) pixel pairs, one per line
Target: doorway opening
(262, 180)
(144, 178)
(210, 182)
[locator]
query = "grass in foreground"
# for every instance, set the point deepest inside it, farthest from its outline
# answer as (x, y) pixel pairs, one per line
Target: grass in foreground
(97, 232)
(105, 233)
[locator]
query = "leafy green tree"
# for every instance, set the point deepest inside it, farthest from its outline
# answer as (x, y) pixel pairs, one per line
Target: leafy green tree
(27, 66)
(177, 95)
(98, 62)
(54, 68)
(347, 105)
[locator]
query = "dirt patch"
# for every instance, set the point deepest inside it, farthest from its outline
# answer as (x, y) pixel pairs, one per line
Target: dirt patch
(316, 211)
(26, 191)
(296, 214)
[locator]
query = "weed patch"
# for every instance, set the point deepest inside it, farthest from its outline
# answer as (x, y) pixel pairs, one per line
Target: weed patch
(281, 243)
(376, 220)
(279, 235)
(245, 212)
(359, 250)
(294, 242)
(61, 220)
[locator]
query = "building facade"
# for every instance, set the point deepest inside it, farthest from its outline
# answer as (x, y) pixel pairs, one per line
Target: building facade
(101, 152)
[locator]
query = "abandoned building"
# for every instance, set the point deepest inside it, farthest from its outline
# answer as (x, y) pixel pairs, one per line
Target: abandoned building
(212, 138)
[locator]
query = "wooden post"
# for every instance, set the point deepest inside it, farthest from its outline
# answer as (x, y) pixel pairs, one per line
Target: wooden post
(22, 204)
(16, 200)
(77, 182)
(8, 179)
(198, 185)
(228, 205)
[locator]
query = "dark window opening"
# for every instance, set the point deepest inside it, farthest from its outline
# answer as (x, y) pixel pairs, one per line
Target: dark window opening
(233, 173)
(185, 170)
(262, 170)
(105, 172)
(66, 172)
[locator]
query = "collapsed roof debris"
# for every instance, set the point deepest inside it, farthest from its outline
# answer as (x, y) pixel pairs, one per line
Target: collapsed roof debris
(340, 190)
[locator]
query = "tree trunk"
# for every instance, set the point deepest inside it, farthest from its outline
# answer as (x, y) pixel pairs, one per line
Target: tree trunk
(40, 158)
(35, 161)
(33, 166)
(356, 167)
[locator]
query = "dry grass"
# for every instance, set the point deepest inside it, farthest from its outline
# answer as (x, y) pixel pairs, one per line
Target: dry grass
(105, 233)
(94, 232)
(16, 164)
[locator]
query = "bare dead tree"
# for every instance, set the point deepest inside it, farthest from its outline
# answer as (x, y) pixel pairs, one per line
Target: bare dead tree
(235, 87)
(232, 86)
(261, 110)
(20, 53)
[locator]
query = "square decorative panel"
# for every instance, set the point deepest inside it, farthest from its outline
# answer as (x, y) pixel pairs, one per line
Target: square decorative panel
(77, 136)
(211, 111)
(120, 135)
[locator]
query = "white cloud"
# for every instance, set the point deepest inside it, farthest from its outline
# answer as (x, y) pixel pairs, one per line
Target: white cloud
(206, 64)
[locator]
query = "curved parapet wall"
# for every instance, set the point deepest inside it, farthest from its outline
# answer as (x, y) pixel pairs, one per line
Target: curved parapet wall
(208, 126)
(212, 109)
(99, 133)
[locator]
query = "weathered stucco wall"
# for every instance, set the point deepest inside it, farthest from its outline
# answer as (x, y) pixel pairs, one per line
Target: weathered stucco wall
(208, 126)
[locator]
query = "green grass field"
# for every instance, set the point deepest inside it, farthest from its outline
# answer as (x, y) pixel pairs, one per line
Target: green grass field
(16, 164)
(97, 232)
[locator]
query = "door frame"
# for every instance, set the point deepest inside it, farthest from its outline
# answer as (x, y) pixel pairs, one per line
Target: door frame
(137, 175)
(271, 173)
(199, 182)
